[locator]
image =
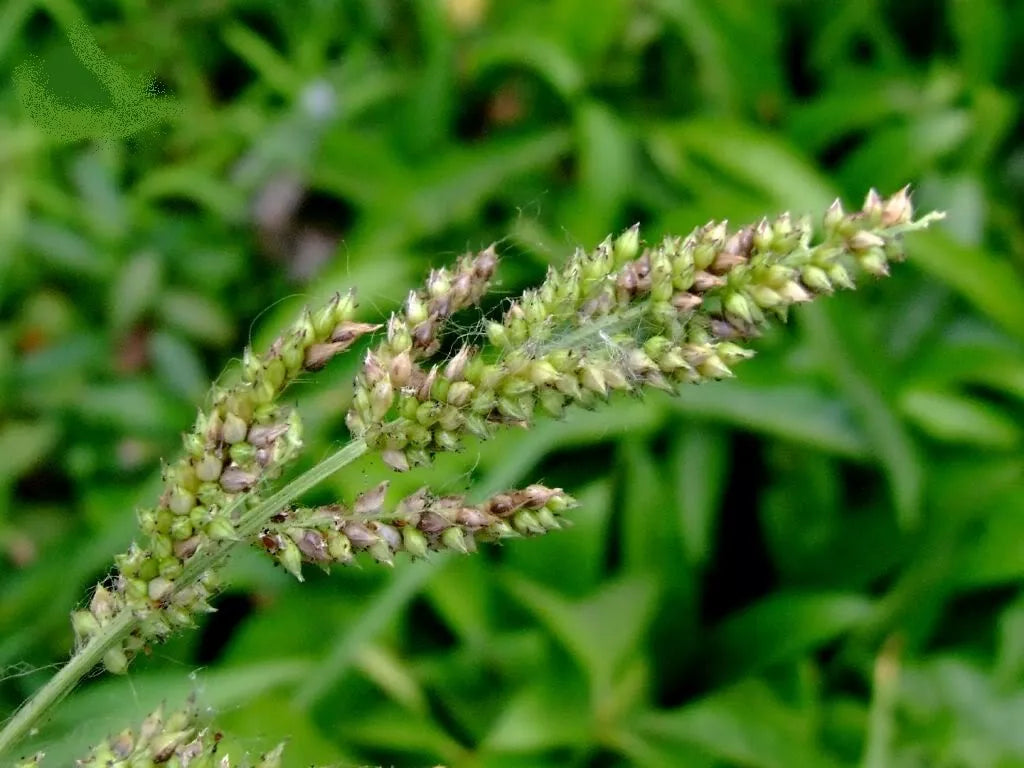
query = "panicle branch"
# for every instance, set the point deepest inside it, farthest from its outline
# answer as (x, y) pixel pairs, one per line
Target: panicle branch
(418, 524)
(619, 318)
(244, 438)
(393, 370)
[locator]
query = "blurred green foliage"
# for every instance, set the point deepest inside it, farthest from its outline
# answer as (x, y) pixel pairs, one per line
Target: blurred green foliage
(817, 565)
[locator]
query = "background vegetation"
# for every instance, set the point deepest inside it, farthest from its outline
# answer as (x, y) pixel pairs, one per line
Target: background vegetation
(817, 565)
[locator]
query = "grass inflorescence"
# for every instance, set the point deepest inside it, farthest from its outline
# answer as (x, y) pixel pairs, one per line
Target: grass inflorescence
(624, 317)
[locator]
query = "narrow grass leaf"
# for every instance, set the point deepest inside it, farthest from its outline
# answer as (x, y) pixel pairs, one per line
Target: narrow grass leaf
(700, 459)
(606, 169)
(387, 603)
(544, 56)
(848, 363)
(543, 714)
(23, 444)
(461, 593)
(387, 729)
(956, 418)
(178, 366)
(788, 411)
(989, 282)
(995, 554)
(598, 632)
(135, 289)
(459, 182)
(891, 155)
(980, 29)
(745, 725)
(755, 159)
(782, 628)
(197, 316)
(648, 539)
(272, 67)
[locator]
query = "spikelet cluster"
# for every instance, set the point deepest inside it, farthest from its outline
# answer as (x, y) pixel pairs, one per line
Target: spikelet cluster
(619, 318)
(177, 740)
(245, 437)
(623, 317)
(396, 370)
(418, 524)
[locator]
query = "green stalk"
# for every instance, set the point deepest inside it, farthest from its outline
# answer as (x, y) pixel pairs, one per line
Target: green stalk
(60, 685)
(89, 655)
(878, 745)
(252, 521)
